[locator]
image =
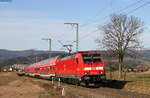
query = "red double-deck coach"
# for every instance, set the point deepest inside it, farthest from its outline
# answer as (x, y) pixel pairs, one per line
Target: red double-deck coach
(43, 69)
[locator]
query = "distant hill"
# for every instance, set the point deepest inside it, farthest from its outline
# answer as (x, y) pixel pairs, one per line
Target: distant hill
(146, 54)
(28, 59)
(9, 57)
(8, 54)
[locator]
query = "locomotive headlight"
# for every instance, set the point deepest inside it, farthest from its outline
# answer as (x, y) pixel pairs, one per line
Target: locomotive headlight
(99, 68)
(86, 73)
(87, 68)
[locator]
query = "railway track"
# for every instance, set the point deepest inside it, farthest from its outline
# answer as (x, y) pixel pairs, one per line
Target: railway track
(104, 91)
(23, 87)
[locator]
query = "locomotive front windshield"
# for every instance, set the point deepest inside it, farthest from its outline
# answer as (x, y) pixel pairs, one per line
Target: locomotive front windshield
(91, 58)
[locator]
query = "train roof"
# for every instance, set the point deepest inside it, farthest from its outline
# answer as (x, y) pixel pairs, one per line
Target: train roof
(44, 61)
(87, 52)
(61, 56)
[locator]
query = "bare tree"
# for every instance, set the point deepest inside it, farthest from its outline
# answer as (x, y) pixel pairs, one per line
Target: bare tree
(121, 34)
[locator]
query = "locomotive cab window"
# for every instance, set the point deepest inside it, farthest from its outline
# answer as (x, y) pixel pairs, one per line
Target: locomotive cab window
(91, 58)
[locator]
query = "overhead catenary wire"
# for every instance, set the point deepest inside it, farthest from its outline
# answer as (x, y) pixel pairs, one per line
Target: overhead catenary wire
(121, 10)
(105, 17)
(146, 3)
(89, 34)
(85, 36)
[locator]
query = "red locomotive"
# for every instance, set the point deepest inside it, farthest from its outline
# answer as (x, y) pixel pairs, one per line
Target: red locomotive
(80, 67)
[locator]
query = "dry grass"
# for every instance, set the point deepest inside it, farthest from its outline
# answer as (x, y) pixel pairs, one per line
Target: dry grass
(13, 86)
(5, 78)
(25, 87)
(137, 81)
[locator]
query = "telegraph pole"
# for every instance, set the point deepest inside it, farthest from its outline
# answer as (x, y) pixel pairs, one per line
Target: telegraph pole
(49, 40)
(77, 34)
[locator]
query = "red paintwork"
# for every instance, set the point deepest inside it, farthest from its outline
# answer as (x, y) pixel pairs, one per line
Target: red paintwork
(42, 68)
(66, 67)
(69, 67)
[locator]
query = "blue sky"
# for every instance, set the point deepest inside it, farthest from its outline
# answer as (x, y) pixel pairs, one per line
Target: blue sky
(23, 23)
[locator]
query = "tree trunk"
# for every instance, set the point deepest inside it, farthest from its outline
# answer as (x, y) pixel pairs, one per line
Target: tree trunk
(120, 65)
(120, 70)
(125, 72)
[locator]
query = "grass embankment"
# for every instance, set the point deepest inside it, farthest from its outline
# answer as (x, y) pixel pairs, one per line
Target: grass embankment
(136, 81)
(14, 86)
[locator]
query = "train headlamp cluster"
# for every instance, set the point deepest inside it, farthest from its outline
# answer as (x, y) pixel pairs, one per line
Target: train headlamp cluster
(99, 68)
(93, 68)
(88, 68)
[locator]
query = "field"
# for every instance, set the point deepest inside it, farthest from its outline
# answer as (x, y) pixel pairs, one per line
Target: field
(135, 81)
(14, 86)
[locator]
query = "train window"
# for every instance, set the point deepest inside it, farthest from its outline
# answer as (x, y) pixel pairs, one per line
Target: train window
(50, 68)
(47, 61)
(91, 58)
(77, 61)
(37, 69)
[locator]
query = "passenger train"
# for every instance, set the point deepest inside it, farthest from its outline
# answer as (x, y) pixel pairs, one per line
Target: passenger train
(76, 68)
